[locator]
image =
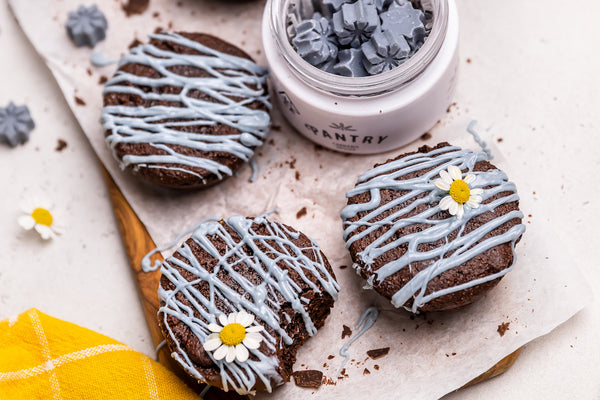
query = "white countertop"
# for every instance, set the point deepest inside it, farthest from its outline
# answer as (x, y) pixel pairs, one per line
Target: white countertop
(550, 80)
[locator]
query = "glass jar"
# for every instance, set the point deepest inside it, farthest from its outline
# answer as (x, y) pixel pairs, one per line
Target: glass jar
(368, 114)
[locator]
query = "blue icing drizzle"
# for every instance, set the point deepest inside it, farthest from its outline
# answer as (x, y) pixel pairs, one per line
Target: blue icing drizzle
(366, 320)
(464, 247)
(261, 300)
(228, 77)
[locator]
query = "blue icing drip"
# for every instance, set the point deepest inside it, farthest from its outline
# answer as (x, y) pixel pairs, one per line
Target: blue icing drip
(229, 76)
(260, 300)
(463, 247)
(366, 320)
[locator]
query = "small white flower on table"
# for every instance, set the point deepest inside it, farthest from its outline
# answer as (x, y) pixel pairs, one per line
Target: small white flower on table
(39, 216)
(232, 339)
(460, 192)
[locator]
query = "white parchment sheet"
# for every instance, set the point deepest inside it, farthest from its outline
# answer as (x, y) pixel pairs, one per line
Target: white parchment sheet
(430, 355)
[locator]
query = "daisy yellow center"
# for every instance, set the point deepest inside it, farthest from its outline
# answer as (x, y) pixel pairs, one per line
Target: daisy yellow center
(459, 191)
(232, 334)
(42, 216)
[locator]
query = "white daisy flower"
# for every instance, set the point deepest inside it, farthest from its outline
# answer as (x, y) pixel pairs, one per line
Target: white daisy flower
(460, 192)
(232, 339)
(39, 216)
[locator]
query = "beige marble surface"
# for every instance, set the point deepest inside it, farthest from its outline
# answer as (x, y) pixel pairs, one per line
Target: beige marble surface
(534, 87)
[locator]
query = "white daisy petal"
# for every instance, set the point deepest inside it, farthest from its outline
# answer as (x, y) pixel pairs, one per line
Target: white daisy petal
(232, 318)
(475, 198)
(223, 319)
(220, 353)
(252, 342)
(446, 202)
(453, 208)
(245, 319)
(476, 191)
(472, 204)
(212, 342)
(255, 328)
(231, 353)
(44, 231)
(442, 185)
(26, 222)
(59, 230)
(469, 178)
(455, 172)
(461, 211)
(214, 328)
(241, 353)
(446, 178)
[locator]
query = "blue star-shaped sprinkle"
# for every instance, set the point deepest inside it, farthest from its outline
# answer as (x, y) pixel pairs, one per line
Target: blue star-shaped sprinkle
(15, 124)
(315, 41)
(384, 51)
(403, 19)
(355, 23)
(86, 26)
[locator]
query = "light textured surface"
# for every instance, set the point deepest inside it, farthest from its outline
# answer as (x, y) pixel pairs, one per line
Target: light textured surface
(534, 86)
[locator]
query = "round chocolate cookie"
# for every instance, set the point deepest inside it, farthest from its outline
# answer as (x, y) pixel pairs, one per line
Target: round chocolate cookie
(240, 297)
(433, 230)
(185, 110)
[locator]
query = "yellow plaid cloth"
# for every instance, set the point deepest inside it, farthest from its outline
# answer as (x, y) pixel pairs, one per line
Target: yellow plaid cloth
(45, 358)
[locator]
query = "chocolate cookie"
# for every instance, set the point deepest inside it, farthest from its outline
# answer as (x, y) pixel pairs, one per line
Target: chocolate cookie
(240, 297)
(185, 110)
(435, 229)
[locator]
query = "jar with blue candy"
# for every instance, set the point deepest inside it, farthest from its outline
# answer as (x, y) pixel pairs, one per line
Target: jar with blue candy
(362, 76)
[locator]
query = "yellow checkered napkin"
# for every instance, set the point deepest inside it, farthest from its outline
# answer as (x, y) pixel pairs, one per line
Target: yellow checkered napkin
(45, 358)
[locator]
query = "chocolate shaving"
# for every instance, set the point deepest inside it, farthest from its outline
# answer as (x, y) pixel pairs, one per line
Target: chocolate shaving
(301, 213)
(135, 7)
(346, 331)
(366, 372)
(378, 353)
(309, 379)
(502, 328)
(60, 145)
(79, 101)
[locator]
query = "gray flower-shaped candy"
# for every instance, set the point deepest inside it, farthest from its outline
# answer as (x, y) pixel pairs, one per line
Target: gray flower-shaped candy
(355, 23)
(86, 26)
(384, 51)
(403, 19)
(350, 63)
(315, 41)
(15, 124)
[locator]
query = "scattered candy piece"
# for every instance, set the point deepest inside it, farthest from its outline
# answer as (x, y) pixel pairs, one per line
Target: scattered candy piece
(15, 124)
(355, 23)
(350, 63)
(86, 26)
(315, 41)
(384, 51)
(330, 7)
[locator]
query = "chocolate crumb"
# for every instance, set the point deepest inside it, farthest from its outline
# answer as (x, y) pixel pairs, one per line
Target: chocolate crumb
(276, 128)
(297, 175)
(426, 136)
(330, 357)
(378, 353)
(79, 101)
(134, 43)
(453, 354)
(499, 140)
(346, 331)
(103, 79)
(60, 145)
(135, 7)
(89, 72)
(155, 14)
(343, 266)
(301, 213)
(310, 378)
(502, 328)
(366, 372)
(468, 61)
(376, 367)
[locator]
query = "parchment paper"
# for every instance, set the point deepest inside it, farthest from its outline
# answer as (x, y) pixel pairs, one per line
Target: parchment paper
(430, 355)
